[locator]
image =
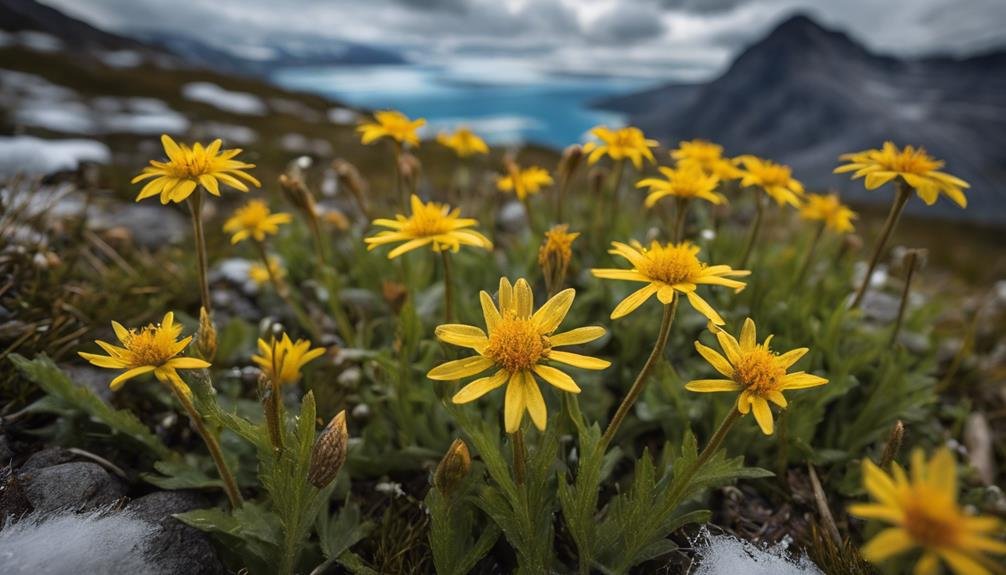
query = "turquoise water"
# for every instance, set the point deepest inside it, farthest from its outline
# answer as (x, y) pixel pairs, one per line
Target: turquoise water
(505, 104)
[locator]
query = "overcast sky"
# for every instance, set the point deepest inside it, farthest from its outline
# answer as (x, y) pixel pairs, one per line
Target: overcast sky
(643, 37)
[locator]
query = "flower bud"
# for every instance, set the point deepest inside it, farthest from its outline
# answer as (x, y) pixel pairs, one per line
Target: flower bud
(349, 177)
(329, 452)
(394, 294)
(206, 339)
(453, 468)
(570, 161)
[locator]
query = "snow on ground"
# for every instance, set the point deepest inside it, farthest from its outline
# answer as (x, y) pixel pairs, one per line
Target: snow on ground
(226, 100)
(342, 116)
(727, 555)
(28, 155)
(121, 58)
(31, 39)
(231, 134)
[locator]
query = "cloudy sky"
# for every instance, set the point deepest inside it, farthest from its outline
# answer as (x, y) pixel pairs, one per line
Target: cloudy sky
(637, 37)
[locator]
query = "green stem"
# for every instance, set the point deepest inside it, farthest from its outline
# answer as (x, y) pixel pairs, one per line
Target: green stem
(399, 187)
(911, 260)
(230, 485)
(448, 287)
(715, 442)
(640, 383)
(561, 199)
(615, 188)
(753, 233)
(680, 215)
(809, 257)
(890, 223)
(281, 290)
(196, 210)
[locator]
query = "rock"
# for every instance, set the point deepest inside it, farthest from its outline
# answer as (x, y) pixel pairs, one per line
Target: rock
(77, 485)
(978, 438)
(92, 378)
(176, 547)
(46, 458)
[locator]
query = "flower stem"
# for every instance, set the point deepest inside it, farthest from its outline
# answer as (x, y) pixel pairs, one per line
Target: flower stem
(561, 198)
(809, 257)
(196, 210)
(519, 456)
(230, 485)
(911, 260)
(892, 221)
(753, 233)
(284, 293)
(615, 188)
(399, 187)
(680, 214)
(715, 442)
(640, 383)
(448, 287)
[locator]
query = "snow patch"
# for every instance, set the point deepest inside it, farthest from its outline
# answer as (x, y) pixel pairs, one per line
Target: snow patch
(343, 116)
(121, 58)
(226, 100)
(66, 544)
(29, 155)
(727, 555)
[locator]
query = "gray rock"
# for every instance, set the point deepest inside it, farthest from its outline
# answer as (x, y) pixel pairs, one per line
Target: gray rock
(47, 458)
(175, 547)
(77, 485)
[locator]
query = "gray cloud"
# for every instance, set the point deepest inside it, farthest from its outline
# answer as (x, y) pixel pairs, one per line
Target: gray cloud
(628, 25)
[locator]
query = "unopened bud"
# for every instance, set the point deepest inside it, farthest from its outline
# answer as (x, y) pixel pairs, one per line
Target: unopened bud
(596, 179)
(570, 161)
(453, 468)
(411, 168)
(329, 452)
(394, 294)
(350, 178)
(893, 444)
(206, 339)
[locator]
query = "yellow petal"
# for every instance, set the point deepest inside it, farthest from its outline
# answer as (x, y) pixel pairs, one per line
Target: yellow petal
(551, 314)
(187, 363)
(576, 336)
(887, 543)
(462, 335)
(749, 335)
(116, 383)
(460, 368)
(534, 401)
(577, 360)
(708, 385)
(633, 301)
(480, 387)
(716, 360)
(489, 311)
(704, 308)
(557, 378)
(762, 414)
(523, 298)
(513, 403)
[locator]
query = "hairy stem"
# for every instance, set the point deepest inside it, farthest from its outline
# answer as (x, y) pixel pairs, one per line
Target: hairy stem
(753, 233)
(809, 257)
(196, 210)
(889, 224)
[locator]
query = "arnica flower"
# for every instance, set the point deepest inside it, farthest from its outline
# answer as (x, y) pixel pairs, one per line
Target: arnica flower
(685, 182)
(828, 209)
(667, 270)
(433, 224)
(254, 220)
(774, 179)
(555, 253)
(707, 156)
(154, 348)
(755, 371)
(464, 142)
(186, 168)
(258, 273)
(391, 124)
(519, 343)
(627, 143)
(524, 181)
(913, 165)
(924, 511)
(282, 360)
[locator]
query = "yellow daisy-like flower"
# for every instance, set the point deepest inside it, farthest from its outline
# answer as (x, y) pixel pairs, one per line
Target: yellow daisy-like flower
(774, 179)
(391, 124)
(924, 511)
(624, 143)
(707, 156)
(755, 371)
(524, 181)
(254, 220)
(464, 142)
(913, 165)
(186, 168)
(557, 247)
(667, 270)
(152, 349)
(433, 224)
(830, 210)
(520, 344)
(686, 182)
(258, 273)
(282, 360)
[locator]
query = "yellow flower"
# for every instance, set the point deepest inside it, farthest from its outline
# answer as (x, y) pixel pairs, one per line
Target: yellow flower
(708, 156)
(774, 179)
(282, 360)
(755, 371)
(520, 344)
(926, 515)
(913, 165)
(391, 124)
(686, 182)
(524, 182)
(668, 269)
(557, 247)
(153, 348)
(624, 143)
(258, 273)
(254, 220)
(464, 142)
(430, 224)
(186, 168)
(830, 210)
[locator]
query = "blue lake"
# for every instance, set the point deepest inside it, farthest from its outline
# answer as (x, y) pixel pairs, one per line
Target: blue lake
(503, 103)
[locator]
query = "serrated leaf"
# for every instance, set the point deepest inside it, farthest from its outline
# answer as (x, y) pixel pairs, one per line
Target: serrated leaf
(177, 474)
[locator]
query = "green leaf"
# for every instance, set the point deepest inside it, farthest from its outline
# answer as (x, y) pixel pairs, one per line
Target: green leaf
(44, 373)
(177, 474)
(251, 532)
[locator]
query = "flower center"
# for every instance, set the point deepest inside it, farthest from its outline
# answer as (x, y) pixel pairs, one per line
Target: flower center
(671, 264)
(253, 214)
(149, 346)
(758, 371)
(911, 161)
(775, 176)
(930, 520)
(428, 221)
(191, 165)
(516, 345)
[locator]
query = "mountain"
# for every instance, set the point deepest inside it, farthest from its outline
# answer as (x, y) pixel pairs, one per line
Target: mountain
(31, 16)
(805, 94)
